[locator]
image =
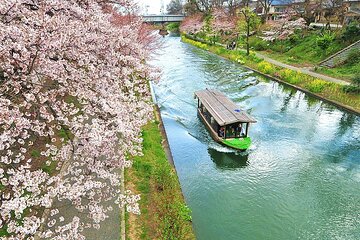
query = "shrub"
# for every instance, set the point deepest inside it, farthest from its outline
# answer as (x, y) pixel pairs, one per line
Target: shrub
(353, 57)
(316, 86)
(279, 46)
(355, 85)
(258, 44)
(173, 27)
(352, 31)
(240, 59)
(252, 56)
(351, 89)
(325, 40)
(195, 43)
(294, 38)
(290, 76)
(220, 51)
(356, 80)
(266, 67)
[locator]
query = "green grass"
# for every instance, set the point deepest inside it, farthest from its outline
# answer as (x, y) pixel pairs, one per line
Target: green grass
(35, 153)
(164, 214)
(49, 169)
(346, 71)
(3, 232)
(301, 50)
(65, 134)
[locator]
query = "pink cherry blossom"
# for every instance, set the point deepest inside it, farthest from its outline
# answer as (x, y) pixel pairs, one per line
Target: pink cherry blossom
(73, 87)
(192, 24)
(222, 22)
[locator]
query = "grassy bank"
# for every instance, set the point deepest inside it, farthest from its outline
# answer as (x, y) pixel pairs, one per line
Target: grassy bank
(346, 71)
(326, 90)
(307, 54)
(299, 49)
(164, 214)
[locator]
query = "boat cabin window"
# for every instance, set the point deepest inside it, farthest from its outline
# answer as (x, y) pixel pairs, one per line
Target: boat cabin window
(236, 130)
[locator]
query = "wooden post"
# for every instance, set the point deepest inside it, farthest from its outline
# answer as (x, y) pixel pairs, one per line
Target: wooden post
(247, 129)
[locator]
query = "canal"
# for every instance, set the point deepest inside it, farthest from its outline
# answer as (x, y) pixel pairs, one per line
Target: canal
(299, 180)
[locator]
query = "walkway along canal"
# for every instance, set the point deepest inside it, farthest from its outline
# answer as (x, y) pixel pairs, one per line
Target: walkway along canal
(299, 180)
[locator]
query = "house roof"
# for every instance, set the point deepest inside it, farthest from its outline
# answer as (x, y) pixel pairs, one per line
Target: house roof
(221, 108)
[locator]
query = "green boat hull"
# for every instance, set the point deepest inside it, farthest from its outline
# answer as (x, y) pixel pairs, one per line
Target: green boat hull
(238, 143)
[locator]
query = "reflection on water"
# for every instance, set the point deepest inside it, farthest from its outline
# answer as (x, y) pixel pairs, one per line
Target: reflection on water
(299, 180)
(228, 160)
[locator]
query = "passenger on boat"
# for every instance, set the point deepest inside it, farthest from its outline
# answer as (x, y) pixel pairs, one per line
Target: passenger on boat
(238, 130)
(222, 132)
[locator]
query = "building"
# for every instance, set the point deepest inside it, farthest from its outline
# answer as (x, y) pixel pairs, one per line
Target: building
(352, 11)
(321, 11)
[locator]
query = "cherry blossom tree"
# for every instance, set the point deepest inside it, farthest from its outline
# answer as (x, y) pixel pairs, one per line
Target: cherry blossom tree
(283, 28)
(73, 97)
(192, 24)
(222, 22)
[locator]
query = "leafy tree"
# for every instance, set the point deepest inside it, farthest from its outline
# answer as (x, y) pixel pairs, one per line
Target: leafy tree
(174, 7)
(173, 27)
(249, 23)
(351, 32)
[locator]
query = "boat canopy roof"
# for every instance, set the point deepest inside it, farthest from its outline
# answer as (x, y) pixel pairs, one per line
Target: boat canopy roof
(221, 108)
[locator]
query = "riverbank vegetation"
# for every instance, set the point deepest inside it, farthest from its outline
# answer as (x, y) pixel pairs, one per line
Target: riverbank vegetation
(327, 90)
(173, 27)
(284, 36)
(164, 214)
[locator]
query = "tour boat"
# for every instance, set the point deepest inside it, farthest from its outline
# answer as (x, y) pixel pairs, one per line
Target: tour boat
(226, 123)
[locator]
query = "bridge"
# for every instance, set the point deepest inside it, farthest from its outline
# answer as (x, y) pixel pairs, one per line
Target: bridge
(162, 18)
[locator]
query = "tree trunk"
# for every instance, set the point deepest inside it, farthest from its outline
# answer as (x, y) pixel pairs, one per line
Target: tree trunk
(247, 36)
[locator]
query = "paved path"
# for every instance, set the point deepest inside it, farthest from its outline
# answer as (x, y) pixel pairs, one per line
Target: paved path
(303, 70)
(112, 228)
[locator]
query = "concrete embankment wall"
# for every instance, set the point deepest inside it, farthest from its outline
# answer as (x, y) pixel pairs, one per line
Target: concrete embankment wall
(165, 142)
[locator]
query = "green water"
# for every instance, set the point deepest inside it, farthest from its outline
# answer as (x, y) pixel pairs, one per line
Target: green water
(300, 179)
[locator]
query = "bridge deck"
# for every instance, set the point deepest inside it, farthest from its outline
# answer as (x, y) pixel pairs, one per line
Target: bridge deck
(163, 18)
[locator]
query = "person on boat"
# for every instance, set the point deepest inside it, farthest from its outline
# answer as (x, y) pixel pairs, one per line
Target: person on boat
(222, 132)
(238, 130)
(230, 132)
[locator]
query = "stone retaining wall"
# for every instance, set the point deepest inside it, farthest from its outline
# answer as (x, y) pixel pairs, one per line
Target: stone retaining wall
(341, 56)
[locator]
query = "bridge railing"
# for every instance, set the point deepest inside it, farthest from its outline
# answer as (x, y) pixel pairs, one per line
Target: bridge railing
(163, 18)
